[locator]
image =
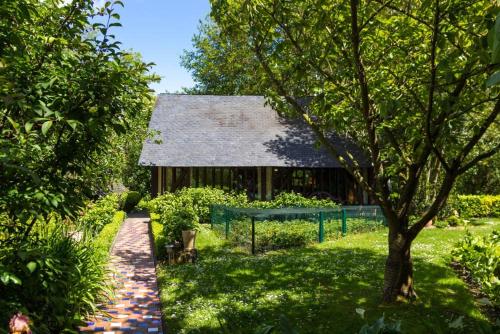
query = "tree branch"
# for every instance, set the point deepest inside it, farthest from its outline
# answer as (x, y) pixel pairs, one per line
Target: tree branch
(478, 135)
(478, 158)
(363, 25)
(365, 105)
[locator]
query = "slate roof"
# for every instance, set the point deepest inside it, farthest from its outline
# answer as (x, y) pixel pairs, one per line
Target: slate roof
(229, 131)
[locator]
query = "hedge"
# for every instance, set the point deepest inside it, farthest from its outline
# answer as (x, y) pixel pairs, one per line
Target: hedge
(474, 206)
(104, 240)
(129, 200)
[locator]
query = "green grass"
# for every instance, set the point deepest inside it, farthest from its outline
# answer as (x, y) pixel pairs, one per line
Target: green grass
(317, 287)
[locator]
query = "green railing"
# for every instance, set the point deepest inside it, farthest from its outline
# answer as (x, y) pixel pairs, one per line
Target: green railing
(262, 229)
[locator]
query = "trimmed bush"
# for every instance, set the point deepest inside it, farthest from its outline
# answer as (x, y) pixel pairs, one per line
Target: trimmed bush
(473, 206)
(105, 238)
(130, 199)
(159, 239)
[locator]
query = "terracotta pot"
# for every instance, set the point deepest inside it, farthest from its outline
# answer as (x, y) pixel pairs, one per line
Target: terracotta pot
(188, 238)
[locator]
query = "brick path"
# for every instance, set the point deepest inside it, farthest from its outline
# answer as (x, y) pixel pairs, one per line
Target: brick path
(135, 307)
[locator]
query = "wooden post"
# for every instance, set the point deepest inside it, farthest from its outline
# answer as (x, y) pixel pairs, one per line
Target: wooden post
(253, 235)
(259, 183)
(269, 183)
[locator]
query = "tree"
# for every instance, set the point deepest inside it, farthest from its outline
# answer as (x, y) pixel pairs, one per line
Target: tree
(65, 90)
(221, 65)
(413, 82)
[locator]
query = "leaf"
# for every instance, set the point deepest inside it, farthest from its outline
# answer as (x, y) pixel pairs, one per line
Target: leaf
(457, 323)
(493, 80)
(485, 301)
(361, 312)
(495, 47)
(47, 111)
(31, 266)
(28, 126)
(46, 126)
(265, 330)
(72, 123)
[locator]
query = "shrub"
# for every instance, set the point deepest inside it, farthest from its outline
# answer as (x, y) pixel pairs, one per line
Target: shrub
(181, 219)
(473, 206)
(454, 221)
(481, 256)
(99, 213)
(54, 279)
(199, 199)
(275, 235)
(130, 199)
(292, 199)
(185, 208)
(105, 238)
(144, 203)
(159, 239)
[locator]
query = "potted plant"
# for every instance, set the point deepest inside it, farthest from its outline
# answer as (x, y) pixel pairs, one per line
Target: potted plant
(184, 223)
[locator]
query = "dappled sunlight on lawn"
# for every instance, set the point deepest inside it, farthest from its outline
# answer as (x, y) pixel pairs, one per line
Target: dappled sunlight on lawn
(318, 287)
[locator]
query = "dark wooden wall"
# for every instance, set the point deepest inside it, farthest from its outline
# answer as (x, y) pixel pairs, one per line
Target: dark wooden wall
(334, 183)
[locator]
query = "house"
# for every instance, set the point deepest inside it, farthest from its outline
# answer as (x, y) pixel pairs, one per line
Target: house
(240, 143)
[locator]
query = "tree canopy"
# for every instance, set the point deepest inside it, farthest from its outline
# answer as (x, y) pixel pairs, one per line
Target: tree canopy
(413, 83)
(66, 91)
(222, 65)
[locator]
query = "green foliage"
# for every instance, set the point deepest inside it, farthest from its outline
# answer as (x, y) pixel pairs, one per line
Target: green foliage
(381, 327)
(290, 233)
(474, 206)
(144, 203)
(180, 219)
(159, 239)
(54, 279)
(454, 221)
(317, 287)
(481, 257)
(183, 209)
(98, 214)
(275, 235)
(484, 178)
(66, 92)
(199, 199)
(416, 92)
(220, 65)
(104, 240)
(294, 200)
(58, 277)
(130, 199)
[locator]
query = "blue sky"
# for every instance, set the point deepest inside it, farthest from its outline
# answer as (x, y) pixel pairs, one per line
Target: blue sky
(160, 30)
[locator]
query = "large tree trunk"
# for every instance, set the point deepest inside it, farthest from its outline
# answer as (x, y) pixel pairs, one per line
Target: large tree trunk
(398, 275)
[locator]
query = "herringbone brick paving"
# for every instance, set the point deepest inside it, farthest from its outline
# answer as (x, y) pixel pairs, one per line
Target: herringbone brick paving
(135, 307)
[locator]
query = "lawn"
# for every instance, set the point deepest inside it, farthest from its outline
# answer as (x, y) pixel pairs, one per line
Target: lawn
(318, 287)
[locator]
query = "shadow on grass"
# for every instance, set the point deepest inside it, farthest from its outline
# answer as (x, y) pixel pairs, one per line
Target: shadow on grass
(317, 289)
